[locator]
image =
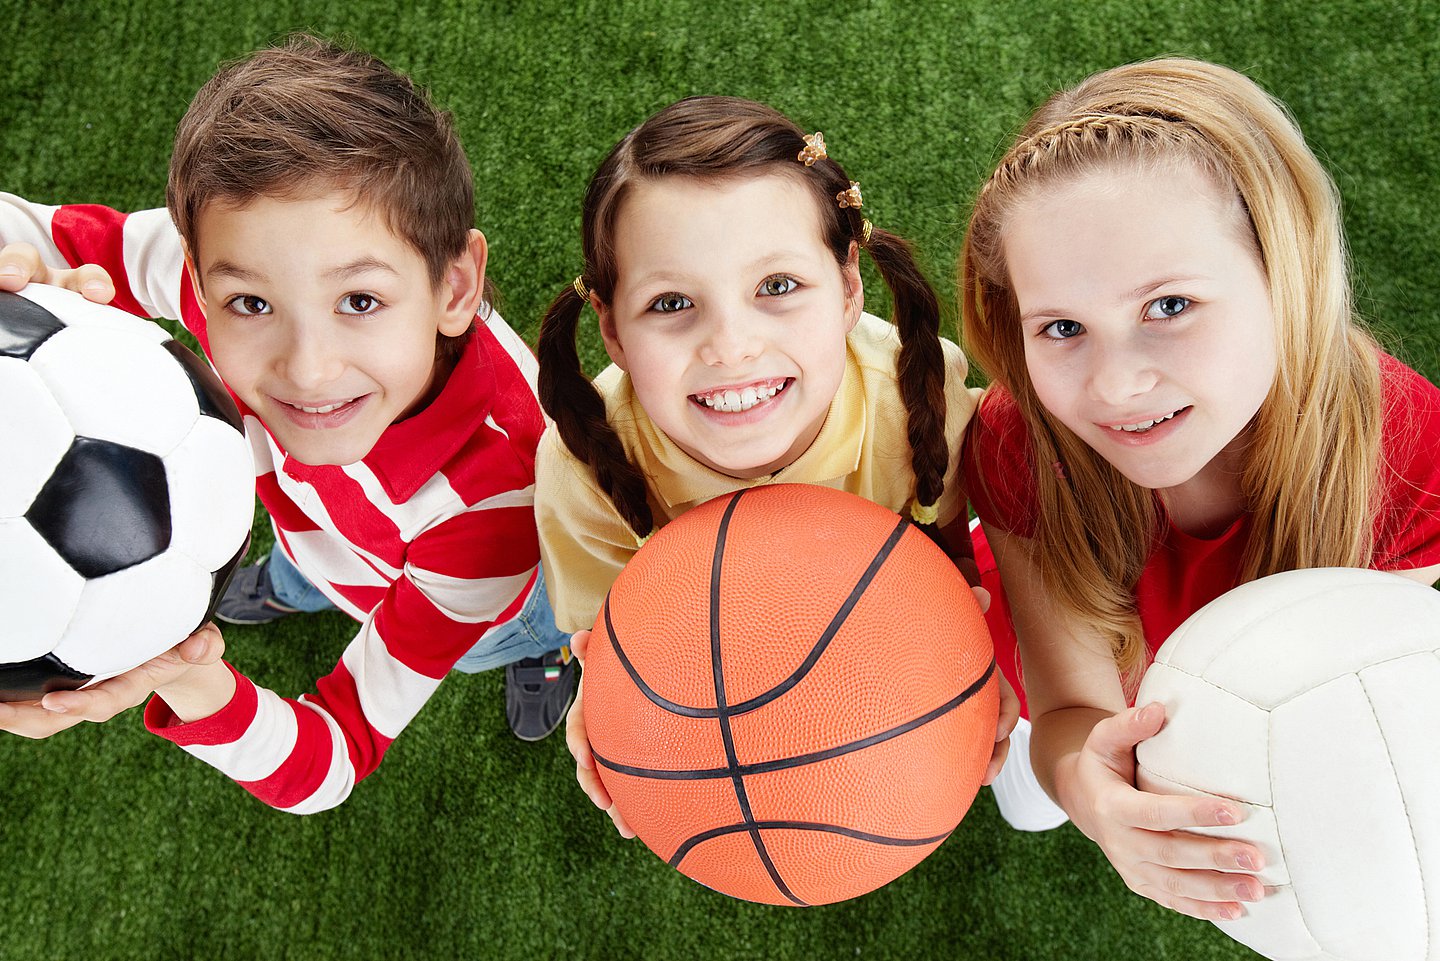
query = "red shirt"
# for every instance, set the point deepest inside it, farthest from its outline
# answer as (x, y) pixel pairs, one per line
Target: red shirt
(1186, 572)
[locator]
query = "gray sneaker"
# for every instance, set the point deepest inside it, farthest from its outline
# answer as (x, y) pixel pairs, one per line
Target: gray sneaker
(250, 599)
(538, 692)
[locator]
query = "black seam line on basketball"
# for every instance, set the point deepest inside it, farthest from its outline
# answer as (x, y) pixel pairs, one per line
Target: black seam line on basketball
(704, 836)
(717, 671)
(800, 760)
(744, 707)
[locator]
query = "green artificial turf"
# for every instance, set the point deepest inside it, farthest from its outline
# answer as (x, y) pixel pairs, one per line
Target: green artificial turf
(466, 842)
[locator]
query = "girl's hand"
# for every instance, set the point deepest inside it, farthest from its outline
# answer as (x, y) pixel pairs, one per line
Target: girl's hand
(100, 702)
(1009, 717)
(1143, 834)
(20, 264)
(579, 744)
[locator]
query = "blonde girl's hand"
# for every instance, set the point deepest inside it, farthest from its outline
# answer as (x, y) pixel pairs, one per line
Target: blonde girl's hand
(20, 264)
(98, 703)
(1144, 835)
(579, 744)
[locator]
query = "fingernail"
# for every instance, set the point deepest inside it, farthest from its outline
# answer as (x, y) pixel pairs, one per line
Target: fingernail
(1231, 912)
(1226, 816)
(55, 708)
(9, 271)
(1245, 862)
(1144, 716)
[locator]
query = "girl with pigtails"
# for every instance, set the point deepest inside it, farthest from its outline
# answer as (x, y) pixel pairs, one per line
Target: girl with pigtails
(1154, 278)
(722, 249)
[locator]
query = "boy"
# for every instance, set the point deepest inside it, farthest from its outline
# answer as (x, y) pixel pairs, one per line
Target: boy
(322, 253)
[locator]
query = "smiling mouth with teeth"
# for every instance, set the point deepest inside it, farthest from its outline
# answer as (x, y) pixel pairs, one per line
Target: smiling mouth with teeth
(1144, 425)
(733, 401)
(327, 408)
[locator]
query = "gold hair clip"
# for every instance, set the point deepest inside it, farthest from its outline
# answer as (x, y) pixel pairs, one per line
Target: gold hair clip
(814, 149)
(642, 541)
(580, 289)
(851, 197)
(866, 227)
(924, 513)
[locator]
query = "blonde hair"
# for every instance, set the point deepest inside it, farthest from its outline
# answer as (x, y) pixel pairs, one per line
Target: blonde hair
(1312, 462)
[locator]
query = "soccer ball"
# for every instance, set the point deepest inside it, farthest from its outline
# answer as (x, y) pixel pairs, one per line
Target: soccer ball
(1313, 698)
(126, 496)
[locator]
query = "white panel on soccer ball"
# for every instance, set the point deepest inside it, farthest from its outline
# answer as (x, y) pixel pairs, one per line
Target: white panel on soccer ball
(126, 618)
(73, 310)
(116, 386)
(1402, 694)
(212, 492)
(38, 593)
(1220, 740)
(1343, 824)
(34, 432)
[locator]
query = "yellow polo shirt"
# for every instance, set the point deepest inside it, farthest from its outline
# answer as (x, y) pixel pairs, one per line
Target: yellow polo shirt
(861, 448)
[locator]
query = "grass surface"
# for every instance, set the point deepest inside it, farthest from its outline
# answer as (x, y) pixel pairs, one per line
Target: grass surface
(467, 843)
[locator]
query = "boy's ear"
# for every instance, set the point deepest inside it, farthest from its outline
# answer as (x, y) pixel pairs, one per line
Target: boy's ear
(854, 288)
(465, 286)
(608, 333)
(194, 272)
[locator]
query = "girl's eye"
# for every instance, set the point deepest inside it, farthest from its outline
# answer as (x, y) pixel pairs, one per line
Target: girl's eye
(1062, 329)
(669, 303)
(247, 305)
(1166, 307)
(357, 304)
(778, 285)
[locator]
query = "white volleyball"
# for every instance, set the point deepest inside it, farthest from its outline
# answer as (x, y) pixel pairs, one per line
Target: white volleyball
(1313, 698)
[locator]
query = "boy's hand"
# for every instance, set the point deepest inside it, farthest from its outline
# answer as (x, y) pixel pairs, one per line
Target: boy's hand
(59, 710)
(20, 264)
(1144, 834)
(579, 744)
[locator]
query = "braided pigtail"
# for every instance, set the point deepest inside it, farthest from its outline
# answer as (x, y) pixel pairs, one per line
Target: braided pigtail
(920, 368)
(578, 411)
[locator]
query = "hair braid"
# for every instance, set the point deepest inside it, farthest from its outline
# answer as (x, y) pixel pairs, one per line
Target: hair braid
(578, 411)
(920, 368)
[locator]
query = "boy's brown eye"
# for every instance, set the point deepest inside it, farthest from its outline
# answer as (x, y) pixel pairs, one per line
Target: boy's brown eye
(248, 305)
(357, 304)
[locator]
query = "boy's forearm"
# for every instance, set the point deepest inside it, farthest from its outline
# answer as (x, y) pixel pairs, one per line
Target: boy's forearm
(202, 691)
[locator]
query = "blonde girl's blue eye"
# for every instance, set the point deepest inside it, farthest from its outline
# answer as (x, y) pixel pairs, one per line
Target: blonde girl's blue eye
(357, 304)
(1062, 329)
(778, 285)
(1164, 308)
(669, 303)
(247, 305)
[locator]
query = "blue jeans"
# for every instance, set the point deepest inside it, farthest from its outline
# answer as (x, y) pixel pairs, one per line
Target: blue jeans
(530, 633)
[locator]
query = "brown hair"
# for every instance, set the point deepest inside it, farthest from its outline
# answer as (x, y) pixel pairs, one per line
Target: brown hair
(311, 115)
(1312, 468)
(727, 137)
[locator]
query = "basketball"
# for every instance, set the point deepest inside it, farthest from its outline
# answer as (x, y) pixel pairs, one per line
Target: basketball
(791, 695)
(1313, 698)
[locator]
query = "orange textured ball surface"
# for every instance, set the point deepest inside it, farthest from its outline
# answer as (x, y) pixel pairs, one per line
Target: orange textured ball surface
(791, 695)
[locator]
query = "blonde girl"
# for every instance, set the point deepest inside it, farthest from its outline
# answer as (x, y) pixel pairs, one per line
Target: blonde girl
(1155, 279)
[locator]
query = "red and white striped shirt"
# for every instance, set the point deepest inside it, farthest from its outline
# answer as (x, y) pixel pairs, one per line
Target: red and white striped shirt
(429, 541)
